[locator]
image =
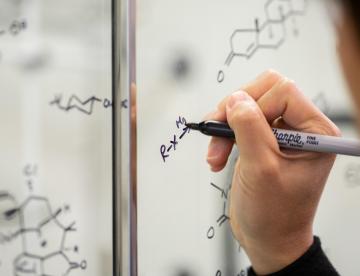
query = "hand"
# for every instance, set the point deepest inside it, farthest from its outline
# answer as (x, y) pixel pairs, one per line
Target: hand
(275, 193)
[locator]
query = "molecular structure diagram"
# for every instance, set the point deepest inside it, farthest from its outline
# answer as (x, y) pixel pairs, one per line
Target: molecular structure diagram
(223, 217)
(84, 106)
(43, 236)
(271, 34)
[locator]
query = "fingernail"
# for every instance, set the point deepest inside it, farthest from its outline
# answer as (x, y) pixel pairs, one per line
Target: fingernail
(237, 98)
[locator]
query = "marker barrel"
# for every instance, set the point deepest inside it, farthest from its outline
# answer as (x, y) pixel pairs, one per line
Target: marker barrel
(290, 139)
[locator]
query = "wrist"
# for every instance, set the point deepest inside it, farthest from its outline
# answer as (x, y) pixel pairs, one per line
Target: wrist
(270, 257)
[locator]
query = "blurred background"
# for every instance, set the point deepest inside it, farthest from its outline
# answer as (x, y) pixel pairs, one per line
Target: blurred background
(56, 151)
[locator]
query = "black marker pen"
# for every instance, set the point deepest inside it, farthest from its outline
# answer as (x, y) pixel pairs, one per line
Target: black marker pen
(288, 139)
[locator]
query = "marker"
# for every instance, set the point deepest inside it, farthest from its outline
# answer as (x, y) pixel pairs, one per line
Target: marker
(288, 139)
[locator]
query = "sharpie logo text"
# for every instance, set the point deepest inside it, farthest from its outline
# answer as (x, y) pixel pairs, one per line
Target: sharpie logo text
(293, 139)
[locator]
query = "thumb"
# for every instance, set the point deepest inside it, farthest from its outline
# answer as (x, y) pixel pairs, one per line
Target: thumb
(254, 136)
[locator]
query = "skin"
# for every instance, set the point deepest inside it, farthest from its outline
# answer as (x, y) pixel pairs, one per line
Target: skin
(275, 193)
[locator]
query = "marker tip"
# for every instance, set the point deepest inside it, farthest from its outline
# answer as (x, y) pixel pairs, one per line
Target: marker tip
(193, 126)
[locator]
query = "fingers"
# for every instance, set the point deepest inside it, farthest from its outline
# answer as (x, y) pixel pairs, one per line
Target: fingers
(262, 84)
(285, 100)
(218, 153)
(258, 87)
(253, 134)
(220, 149)
(276, 97)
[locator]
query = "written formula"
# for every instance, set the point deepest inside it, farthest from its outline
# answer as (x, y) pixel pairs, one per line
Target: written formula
(181, 127)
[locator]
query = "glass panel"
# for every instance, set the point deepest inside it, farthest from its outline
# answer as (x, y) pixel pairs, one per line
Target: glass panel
(56, 138)
(190, 55)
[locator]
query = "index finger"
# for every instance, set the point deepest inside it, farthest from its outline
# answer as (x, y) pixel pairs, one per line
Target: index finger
(256, 89)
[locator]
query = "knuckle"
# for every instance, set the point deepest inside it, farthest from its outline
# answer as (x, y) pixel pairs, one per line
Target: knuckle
(249, 113)
(289, 87)
(272, 74)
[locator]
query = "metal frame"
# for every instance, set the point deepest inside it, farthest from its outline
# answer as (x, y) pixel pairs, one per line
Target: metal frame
(124, 139)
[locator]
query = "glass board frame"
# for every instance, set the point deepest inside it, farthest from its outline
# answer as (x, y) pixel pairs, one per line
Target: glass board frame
(124, 140)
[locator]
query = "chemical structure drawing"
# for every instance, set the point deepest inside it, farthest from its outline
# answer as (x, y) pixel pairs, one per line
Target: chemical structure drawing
(44, 249)
(270, 34)
(223, 217)
(167, 149)
(14, 28)
(83, 106)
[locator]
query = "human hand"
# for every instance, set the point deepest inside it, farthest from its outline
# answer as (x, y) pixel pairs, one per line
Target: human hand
(275, 193)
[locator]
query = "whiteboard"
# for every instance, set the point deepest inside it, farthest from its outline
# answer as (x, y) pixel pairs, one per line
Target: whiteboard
(190, 55)
(56, 213)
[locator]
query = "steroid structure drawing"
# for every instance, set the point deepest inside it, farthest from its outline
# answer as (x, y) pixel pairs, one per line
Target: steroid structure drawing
(270, 34)
(44, 248)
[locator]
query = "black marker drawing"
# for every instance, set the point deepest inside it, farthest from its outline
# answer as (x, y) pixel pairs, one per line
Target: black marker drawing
(43, 237)
(246, 42)
(210, 233)
(75, 103)
(224, 193)
(223, 217)
(124, 104)
(174, 141)
(271, 34)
